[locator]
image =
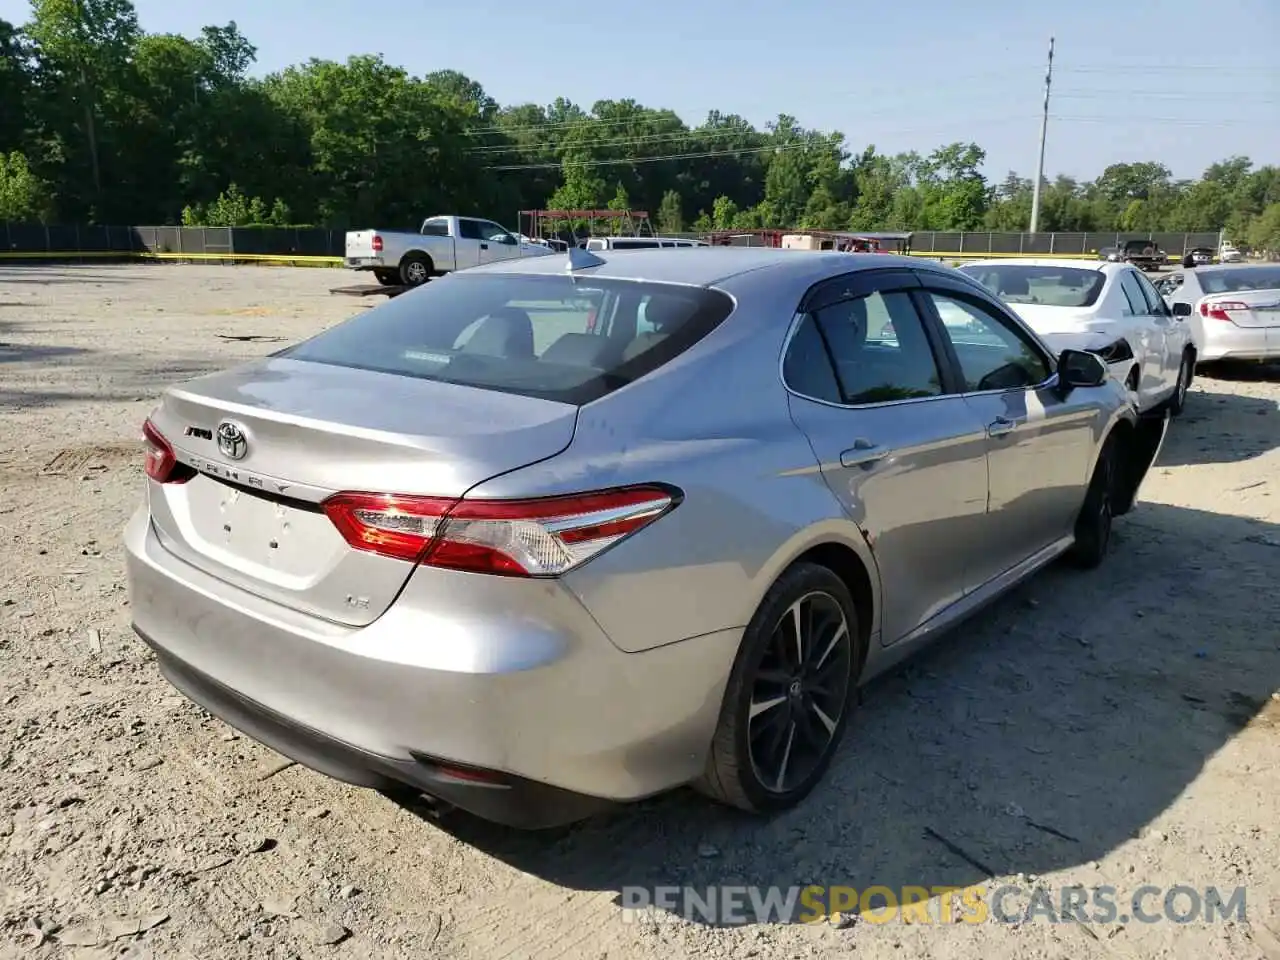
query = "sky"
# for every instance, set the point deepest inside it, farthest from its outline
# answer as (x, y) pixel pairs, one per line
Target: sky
(1181, 82)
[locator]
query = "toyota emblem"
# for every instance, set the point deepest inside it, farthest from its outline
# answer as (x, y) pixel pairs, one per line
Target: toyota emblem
(232, 442)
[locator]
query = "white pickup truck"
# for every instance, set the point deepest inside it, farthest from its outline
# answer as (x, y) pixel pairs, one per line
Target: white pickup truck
(442, 245)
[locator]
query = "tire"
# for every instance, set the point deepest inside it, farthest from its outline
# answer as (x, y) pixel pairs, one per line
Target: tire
(1178, 402)
(415, 269)
(771, 761)
(1093, 524)
(387, 278)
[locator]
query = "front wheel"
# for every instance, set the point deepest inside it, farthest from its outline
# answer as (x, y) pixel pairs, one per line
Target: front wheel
(1093, 524)
(789, 696)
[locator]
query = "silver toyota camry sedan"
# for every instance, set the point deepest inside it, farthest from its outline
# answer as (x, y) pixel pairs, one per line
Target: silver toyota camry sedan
(556, 533)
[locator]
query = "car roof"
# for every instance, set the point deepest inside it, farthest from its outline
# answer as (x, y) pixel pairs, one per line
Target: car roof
(1099, 265)
(704, 266)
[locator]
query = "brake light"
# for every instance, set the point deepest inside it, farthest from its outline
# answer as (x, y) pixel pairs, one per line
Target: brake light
(1219, 309)
(162, 463)
(377, 243)
(545, 537)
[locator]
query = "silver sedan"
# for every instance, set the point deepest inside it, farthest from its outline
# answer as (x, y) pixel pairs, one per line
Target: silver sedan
(569, 531)
(1233, 309)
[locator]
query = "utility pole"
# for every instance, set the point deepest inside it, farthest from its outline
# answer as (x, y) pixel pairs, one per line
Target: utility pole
(1044, 133)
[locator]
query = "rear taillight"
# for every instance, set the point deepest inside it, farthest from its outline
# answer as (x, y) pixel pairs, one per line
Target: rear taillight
(162, 463)
(522, 538)
(377, 243)
(1219, 310)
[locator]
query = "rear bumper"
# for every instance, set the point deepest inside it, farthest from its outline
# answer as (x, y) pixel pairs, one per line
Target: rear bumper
(511, 801)
(495, 674)
(1226, 341)
(365, 263)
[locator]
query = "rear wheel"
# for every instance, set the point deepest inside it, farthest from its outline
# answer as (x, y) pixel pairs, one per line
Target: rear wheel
(1093, 525)
(387, 277)
(415, 270)
(789, 695)
(1178, 402)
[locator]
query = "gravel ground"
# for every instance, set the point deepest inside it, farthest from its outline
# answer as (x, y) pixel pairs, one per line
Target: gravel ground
(1120, 727)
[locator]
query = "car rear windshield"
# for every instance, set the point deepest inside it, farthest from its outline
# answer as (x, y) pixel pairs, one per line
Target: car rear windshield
(562, 338)
(1051, 286)
(1239, 279)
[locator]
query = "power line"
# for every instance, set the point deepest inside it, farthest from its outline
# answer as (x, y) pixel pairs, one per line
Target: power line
(1222, 96)
(702, 134)
(707, 154)
(1219, 68)
(1138, 118)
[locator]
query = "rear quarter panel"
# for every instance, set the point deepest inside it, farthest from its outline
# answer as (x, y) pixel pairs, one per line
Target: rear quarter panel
(715, 423)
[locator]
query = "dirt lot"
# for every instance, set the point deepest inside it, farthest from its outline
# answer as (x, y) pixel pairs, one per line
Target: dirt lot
(1115, 728)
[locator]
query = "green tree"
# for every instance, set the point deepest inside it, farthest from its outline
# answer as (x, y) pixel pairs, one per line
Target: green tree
(670, 213)
(85, 48)
(1264, 232)
(17, 83)
(24, 198)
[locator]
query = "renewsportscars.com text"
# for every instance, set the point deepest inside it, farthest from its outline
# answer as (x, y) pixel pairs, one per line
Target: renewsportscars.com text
(1010, 903)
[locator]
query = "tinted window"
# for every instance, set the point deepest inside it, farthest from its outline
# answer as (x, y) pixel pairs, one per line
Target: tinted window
(993, 354)
(1053, 286)
(1233, 279)
(1133, 295)
(539, 336)
(807, 366)
(437, 227)
(470, 230)
(635, 244)
(880, 349)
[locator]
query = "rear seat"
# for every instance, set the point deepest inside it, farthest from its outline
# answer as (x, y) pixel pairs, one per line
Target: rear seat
(576, 350)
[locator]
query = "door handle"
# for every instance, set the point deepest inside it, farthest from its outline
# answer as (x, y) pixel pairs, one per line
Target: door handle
(861, 454)
(1000, 427)
(484, 246)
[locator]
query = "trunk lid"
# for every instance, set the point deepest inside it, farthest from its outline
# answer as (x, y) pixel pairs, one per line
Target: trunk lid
(1261, 307)
(310, 430)
(1047, 320)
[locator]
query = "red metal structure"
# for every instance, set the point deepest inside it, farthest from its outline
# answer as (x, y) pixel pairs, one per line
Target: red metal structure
(845, 241)
(575, 224)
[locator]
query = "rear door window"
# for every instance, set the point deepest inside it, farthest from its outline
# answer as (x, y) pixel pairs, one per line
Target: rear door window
(880, 349)
(1133, 295)
(470, 229)
(554, 337)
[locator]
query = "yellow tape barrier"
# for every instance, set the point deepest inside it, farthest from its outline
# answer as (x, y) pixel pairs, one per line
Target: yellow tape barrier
(316, 261)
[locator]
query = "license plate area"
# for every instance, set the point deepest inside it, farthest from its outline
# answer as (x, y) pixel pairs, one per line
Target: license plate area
(271, 540)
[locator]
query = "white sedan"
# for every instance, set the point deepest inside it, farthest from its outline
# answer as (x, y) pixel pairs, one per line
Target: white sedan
(1110, 309)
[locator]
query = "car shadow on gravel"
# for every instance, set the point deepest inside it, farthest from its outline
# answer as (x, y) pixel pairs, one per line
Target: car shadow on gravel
(1221, 428)
(1046, 734)
(1241, 372)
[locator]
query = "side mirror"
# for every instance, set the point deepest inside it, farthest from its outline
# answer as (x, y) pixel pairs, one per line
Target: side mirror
(1078, 368)
(1182, 309)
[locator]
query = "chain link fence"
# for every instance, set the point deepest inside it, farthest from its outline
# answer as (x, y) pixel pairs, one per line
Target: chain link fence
(43, 242)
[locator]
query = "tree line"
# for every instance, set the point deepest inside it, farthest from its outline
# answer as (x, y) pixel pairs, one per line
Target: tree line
(102, 122)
